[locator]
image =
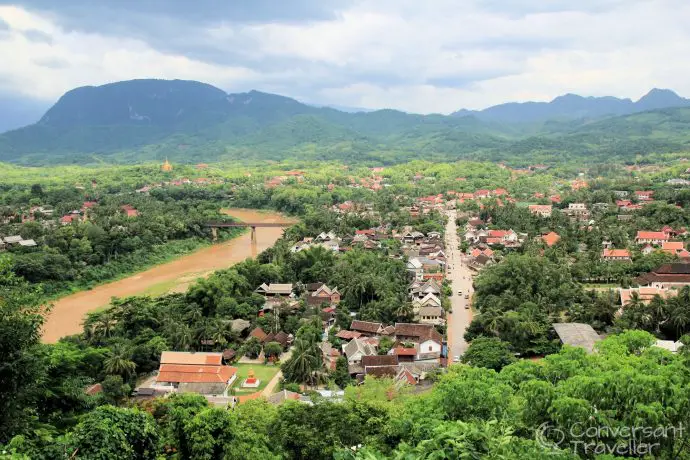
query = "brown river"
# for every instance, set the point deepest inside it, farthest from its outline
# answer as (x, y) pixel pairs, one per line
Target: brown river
(68, 312)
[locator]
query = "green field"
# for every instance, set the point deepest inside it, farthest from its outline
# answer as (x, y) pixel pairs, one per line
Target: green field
(263, 372)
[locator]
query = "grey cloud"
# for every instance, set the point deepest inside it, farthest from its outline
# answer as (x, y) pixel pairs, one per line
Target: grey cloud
(4, 26)
(37, 36)
(51, 62)
(525, 7)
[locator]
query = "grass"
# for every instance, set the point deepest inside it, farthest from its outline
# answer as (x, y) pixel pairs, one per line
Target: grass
(261, 371)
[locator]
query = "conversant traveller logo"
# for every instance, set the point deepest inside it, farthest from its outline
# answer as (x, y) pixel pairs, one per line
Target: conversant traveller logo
(585, 438)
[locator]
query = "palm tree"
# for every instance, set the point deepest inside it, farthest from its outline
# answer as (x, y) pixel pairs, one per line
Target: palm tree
(104, 325)
(679, 315)
(181, 336)
(304, 362)
(119, 362)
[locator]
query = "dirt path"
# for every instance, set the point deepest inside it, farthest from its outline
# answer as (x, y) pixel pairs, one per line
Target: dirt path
(68, 312)
(461, 281)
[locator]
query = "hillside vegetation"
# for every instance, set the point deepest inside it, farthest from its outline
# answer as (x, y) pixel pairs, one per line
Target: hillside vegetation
(189, 121)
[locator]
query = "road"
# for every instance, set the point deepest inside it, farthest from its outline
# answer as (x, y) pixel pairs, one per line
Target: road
(461, 280)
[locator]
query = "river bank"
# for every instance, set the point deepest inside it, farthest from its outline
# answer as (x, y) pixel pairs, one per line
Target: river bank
(68, 312)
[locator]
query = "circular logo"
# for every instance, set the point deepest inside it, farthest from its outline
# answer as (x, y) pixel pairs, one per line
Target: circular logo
(549, 436)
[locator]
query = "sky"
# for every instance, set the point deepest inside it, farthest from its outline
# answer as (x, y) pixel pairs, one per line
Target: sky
(430, 56)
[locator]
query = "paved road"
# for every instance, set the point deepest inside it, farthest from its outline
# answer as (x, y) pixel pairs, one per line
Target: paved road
(461, 278)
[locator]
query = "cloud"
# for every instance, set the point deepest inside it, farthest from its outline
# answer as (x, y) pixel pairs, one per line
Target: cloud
(436, 56)
(37, 36)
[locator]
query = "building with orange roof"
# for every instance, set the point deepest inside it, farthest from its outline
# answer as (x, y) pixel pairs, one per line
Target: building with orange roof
(647, 237)
(615, 254)
(194, 372)
(551, 238)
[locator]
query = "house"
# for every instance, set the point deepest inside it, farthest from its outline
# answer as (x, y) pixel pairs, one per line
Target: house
(577, 211)
(355, 350)
(129, 210)
(645, 294)
(431, 315)
(644, 195)
(14, 239)
(257, 333)
(194, 372)
(68, 219)
(577, 335)
(323, 236)
(655, 238)
(433, 235)
(324, 295)
(673, 247)
(415, 267)
(366, 328)
(405, 355)
(551, 238)
(425, 336)
(413, 237)
(543, 210)
(420, 289)
(429, 300)
(504, 236)
(666, 276)
(669, 345)
(476, 252)
(615, 255)
(275, 291)
(348, 335)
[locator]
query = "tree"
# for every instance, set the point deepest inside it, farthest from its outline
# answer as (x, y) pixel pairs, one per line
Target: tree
(341, 375)
(20, 332)
(304, 362)
(252, 348)
(273, 350)
(488, 352)
(119, 362)
(113, 433)
(385, 344)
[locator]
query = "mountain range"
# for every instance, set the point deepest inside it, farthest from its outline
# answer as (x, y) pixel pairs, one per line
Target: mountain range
(572, 106)
(189, 121)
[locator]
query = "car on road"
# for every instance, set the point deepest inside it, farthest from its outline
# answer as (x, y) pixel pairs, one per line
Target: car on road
(456, 359)
(467, 296)
(467, 306)
(459, 292)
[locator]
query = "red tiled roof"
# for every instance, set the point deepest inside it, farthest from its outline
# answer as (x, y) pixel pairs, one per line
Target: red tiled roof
(607, 253)
(365, 326)
(672, 246)
(259, 334)
(404, 351)
(348, 335)
(551, 238)
(195, 374)
(644, 235)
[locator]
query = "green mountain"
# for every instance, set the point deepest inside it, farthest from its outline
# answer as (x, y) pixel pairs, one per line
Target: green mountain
(574, 107)
(189, 121)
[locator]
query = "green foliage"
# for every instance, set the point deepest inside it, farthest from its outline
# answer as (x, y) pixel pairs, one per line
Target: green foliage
(112, 433)
(488, 352)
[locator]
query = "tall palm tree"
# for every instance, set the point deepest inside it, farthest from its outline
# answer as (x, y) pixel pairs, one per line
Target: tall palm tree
(119, 362)
(182, 337)
(304, 362)
(104, 325)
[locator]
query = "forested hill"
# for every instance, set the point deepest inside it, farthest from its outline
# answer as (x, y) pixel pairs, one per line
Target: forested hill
(573, 107)
(188, 121)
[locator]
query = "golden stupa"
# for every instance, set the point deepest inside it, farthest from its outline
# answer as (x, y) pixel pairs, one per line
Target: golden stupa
(166, 167)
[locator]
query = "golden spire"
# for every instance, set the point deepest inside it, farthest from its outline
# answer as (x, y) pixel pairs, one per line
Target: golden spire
(167, 167)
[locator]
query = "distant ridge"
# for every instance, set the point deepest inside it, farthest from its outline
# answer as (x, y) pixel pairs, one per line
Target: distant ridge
(189, 121)
(572, 106)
